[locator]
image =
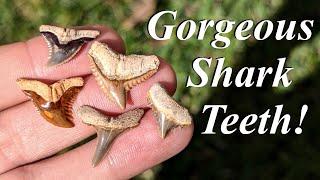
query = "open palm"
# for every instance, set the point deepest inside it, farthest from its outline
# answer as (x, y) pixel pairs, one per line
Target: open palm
(27, 141)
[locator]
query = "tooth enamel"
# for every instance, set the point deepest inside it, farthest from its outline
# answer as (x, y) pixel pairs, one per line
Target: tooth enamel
(168, 112)
(116, 73)
(53, 102)
(164, 124)
(105, 138)
(64, 43)
(108, 128)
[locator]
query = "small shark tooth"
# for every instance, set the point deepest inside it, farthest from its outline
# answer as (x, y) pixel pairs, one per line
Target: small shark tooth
(108, 128)
(168, 112)
(54, 102)
(116, 73)
(64, 43)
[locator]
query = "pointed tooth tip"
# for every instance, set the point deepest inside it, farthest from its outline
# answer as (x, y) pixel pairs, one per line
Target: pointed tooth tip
(164, 124)
(121, 103)
(120, 99)
(163, 135)
(70, 126)
(50, 64)
(95, 162)
(66, 126)
(163, 132)
(122, 106)
(105, 139)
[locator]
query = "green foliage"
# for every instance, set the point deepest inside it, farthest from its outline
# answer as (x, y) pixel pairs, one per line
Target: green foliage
(20, 19)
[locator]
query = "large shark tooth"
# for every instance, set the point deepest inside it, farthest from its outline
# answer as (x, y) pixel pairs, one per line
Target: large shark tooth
(54, 102)
(168, 112)
(108, 128)
(116, 73)
(64, 43)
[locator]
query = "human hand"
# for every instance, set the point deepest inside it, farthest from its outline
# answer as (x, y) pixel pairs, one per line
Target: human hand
(27, 141)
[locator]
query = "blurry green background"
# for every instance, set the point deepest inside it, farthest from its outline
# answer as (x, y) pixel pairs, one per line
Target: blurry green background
(212, 156)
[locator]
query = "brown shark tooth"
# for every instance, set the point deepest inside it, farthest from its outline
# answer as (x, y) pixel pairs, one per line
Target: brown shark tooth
(168, 112)
(108, 128)
(64, 43)
(116, 73)
(54, 102)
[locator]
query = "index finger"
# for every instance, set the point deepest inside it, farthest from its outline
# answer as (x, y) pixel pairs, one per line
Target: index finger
(29, 60)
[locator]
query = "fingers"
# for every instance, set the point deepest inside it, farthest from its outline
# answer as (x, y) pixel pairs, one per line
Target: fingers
(131, 153)
(136, 97)
(26, 137)
(29, 59)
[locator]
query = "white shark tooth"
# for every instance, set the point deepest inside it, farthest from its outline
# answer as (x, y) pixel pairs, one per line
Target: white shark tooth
(54, 102)
(168, 112)
(64, 43)
(108, 128)
(164, 124)
(116, 73)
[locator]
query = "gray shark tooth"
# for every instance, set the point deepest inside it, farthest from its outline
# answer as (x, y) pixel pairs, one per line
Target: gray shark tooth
(116, 73)
(64, 43)
(53, 102)
(105, 138)
(108, 128)
(168, 112)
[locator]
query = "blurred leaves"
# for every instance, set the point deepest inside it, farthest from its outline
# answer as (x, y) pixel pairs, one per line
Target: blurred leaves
(216, 156)
(305, 60)
(140, 12)
(21, 19)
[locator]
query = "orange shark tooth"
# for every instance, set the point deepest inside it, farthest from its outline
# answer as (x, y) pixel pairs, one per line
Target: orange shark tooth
(168, 112)
(116, 73)
(54, 102)
(64, 43)
(108, 128)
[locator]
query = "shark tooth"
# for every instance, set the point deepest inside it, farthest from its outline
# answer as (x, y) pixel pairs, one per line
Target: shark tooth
(168, 112)
(108, 128)
(64, 43)
(116, 73)
(54, 102)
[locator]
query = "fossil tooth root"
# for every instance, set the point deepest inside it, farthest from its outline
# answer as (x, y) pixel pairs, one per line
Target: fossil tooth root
(54, 102)
(168, 112)
(107, 127)
(116, 73)
(65, 43)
